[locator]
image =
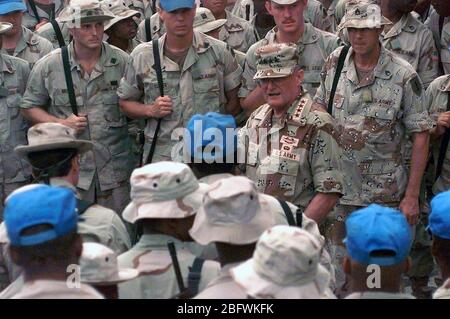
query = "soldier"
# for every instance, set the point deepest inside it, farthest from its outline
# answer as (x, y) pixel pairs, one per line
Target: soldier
(54, 154)
(42, 228)
(19, 41)
(289, 145)
(99, 268)
(237, 32)
(14, 172)
(48, 32)
(440, 229)
(378, 102)
(122, 29)
(410, 39)
(377, 236)
(200, 75)
(285, 265)
(96, 69)
(46, 10)
(165, 198)
(330, 7)
(157, 29)
(438, 94)
(315, 13)
(439, 23)
(233, 216)
(314, 46)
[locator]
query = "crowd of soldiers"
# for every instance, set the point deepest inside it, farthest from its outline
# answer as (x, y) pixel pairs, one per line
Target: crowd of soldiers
(220, 149)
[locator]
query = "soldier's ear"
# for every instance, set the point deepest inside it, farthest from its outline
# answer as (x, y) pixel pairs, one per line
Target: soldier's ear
(299, 75)
(268, 6)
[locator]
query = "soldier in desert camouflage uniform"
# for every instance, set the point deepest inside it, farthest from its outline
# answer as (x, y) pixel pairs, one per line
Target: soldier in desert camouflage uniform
(19, 41)
(289, 145)
(201, 77)
(46, 10)
(165, 198)
(378, 101)
(439, 23)
(313, 45)
(96, 75)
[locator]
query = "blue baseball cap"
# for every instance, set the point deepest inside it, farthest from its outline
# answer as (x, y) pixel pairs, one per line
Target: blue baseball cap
(43, 205)
(439, 219)
(378, 229)
(7, 6)
(216, 132)
(172, 5)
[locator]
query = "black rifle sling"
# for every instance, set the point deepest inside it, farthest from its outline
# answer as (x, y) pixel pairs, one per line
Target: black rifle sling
(337, 75)
(247, 12)
(195, 275)
(58, 33)
(148, 30)
(34, 9)
(287, 212)
(155, 45)
(69, 82)
(444, 144)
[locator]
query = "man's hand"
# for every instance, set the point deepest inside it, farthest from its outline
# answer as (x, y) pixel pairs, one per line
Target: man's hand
(40, 24)
(161, 107)
(410, 208)
(78, 123)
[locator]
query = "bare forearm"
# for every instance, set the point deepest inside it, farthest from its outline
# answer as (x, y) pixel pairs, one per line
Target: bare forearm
(254, 100)
(418, 163)
(134, 109)
(321, 205)
(233, 106)
(37, 115)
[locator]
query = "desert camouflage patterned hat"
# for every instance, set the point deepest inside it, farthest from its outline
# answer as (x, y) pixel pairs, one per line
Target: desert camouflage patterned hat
(362, 14)
(205, 21)
(276, 60)
(163, 190)
(231, 213)
(120, 10)
(285, 265)
(85, 11)
(99, 266)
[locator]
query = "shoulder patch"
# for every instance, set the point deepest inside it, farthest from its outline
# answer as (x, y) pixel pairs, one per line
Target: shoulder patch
(416, 86)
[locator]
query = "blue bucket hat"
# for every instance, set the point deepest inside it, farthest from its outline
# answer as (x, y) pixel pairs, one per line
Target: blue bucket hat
(7, 6)
(439, 219)
(172, 5)
(378, 229)
(43, 205)
(216, 132)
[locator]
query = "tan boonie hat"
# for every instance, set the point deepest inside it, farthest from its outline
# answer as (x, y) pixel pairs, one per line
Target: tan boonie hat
(285, 265)
(231, 213)
(276, 60)
(99, 266)
(205, 21)
(120, 10)
(163, 190)
(362, 14)
(51, 136)
(85, 11)
(5, 26)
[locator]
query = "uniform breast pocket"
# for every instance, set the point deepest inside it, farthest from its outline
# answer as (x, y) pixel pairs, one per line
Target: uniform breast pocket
(112, 114)
(282, 170)
(207, 90)
(379, 124)
(13, 103)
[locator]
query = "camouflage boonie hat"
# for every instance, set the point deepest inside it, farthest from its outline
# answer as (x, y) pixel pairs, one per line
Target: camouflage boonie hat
(120, 10)
(51, 136)
(276, 60)
(163, 190)
(99, 266)
(85, 11)
(204, 21)
(231, 213)
(285, 265)
(363, 14)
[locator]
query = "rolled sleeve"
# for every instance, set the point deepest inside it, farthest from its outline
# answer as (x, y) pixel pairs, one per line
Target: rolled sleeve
(416, 117)
(131, 87)
(36, 93)
(232, 72)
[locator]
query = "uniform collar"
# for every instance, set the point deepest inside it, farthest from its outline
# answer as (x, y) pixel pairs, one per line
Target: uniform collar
(28, 38)
(7, 66)
(382, 69)
(61, 182)
(407, 23)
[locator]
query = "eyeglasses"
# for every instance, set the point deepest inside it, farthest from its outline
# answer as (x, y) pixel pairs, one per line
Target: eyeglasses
(265, 82)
